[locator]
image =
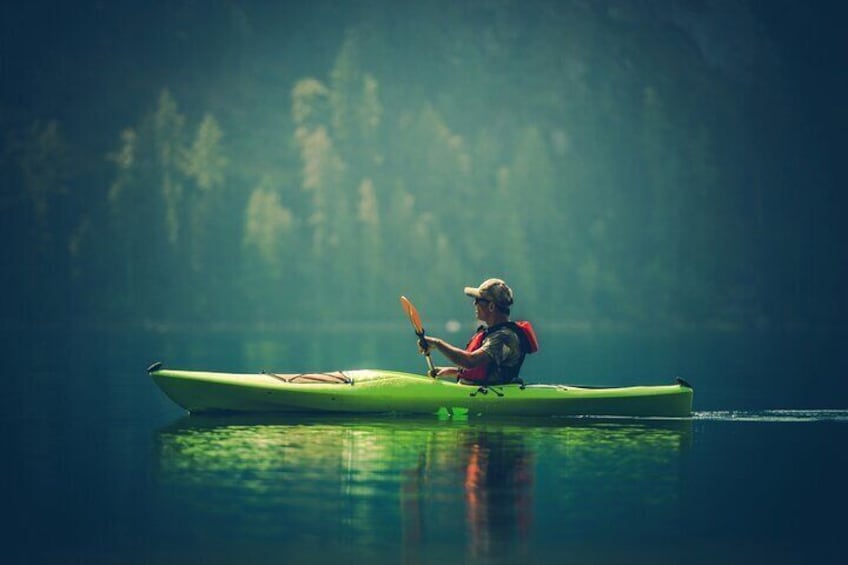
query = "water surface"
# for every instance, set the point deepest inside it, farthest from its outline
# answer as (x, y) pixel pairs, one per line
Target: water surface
(101, 467)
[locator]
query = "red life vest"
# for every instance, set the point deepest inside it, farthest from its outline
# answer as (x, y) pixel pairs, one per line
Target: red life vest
(526, 337)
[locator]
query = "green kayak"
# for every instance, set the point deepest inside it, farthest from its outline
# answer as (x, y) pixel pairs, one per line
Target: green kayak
(377, 391)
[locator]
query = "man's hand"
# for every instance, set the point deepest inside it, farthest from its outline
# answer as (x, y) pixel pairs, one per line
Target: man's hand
(427, 343)
(451, 372)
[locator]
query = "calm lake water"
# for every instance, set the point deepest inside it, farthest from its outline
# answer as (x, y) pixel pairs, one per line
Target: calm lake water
(101, 467)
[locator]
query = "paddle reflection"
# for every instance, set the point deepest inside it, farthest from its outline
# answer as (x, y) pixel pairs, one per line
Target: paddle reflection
(405, 488)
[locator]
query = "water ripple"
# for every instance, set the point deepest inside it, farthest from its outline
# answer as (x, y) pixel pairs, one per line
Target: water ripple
(773, 415)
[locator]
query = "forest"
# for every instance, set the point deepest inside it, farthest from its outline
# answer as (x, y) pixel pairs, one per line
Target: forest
(621, 164)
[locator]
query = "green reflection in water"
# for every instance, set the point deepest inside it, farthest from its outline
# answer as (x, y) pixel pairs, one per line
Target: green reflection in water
(415, 489)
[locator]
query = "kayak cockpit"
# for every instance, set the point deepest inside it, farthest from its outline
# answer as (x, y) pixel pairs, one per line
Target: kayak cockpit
(333, 378)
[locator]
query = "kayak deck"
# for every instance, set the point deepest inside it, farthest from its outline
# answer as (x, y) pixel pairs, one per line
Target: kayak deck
(378, 391)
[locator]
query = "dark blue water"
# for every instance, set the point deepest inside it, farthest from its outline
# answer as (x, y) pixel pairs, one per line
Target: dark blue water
(100, 467)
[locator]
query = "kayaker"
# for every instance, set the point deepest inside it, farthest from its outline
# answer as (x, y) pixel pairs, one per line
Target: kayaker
(495, 353)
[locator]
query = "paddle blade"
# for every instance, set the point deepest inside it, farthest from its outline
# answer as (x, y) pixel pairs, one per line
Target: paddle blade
(415, 318)
(413, 315)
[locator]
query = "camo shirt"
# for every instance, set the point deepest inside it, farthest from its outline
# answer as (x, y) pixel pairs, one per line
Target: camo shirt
(504, 350)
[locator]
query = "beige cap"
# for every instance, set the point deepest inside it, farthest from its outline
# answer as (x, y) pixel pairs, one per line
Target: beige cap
(493, 290)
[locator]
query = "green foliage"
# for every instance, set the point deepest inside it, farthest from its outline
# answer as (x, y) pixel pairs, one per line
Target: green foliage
(205, 161)
(38, 172)
(45, 170)
(267, 228)
(584, 152)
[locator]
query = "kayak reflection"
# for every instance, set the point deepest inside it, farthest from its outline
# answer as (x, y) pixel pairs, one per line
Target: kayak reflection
(397, 488)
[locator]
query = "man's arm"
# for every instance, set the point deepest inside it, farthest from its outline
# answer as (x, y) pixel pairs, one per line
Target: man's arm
(465, 359)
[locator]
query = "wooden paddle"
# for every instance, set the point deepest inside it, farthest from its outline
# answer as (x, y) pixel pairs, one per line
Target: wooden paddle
(415, 318)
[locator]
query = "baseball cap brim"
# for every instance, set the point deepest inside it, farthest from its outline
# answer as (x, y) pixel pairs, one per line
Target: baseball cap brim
(472, 291)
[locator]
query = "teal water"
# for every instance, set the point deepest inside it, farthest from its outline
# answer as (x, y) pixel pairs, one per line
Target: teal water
(101, 467)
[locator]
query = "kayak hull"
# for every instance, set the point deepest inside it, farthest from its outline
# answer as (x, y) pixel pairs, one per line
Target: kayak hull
(377, 391)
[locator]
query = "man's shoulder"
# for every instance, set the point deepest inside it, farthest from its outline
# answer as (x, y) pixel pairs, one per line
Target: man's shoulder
(504, 333)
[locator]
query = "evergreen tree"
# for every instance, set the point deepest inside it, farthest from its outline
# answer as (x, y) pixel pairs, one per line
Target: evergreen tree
(42, 232)
(271, 262)
(146, 205)
(210, 253)
(322, 178)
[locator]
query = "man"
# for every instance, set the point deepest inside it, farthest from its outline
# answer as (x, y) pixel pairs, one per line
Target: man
(495, 353)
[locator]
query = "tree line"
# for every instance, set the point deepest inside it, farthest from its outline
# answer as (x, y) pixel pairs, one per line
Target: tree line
(624, 182)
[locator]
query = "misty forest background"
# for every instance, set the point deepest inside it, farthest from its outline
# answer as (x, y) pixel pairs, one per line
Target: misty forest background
(622, 164)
